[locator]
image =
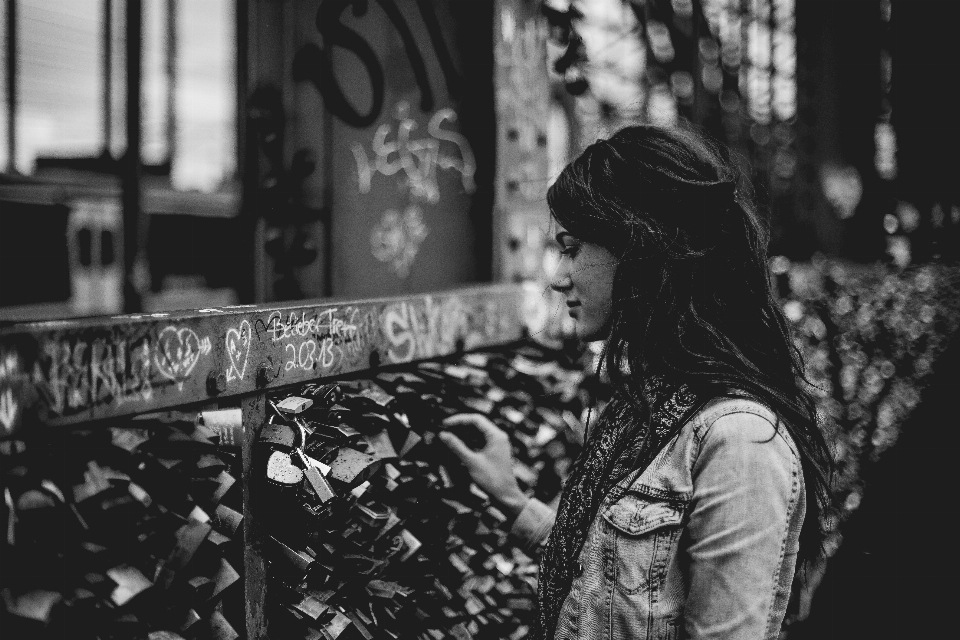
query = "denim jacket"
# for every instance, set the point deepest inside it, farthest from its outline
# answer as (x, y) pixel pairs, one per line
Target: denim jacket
(702, 545)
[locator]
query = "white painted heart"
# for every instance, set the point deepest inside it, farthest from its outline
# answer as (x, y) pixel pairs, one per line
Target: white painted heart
(238, 350)
(178, 351)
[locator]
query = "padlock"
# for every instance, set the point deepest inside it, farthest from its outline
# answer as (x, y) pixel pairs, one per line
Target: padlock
(294, 404)
(351, 467)
(323, 395)
(281, 436)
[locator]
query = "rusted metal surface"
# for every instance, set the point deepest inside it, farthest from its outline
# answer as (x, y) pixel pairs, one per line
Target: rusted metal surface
(59, 373)
(255, 571)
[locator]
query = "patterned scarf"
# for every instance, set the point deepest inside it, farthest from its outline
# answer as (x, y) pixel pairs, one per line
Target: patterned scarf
(614, 449)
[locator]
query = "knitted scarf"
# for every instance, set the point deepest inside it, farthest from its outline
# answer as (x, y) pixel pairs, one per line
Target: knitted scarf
(614, 449)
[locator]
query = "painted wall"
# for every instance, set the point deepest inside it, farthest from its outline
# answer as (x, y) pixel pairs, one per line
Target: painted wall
(402, 95)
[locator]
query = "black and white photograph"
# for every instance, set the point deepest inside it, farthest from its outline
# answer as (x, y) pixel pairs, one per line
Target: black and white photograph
(478, 319)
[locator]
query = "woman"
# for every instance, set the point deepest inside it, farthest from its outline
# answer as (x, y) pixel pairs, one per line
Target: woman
(699, 491)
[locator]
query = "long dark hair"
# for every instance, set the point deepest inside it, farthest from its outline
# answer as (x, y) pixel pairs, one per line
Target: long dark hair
(692, 297)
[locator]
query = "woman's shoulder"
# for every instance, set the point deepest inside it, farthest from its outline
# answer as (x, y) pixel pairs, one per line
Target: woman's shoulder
(739, 420)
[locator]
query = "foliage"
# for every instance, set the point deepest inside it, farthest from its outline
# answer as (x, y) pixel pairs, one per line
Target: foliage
(870, 337)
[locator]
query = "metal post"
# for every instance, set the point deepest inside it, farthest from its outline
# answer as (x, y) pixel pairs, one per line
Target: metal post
(107, 97)
(247, 284)
(132, 230)
(12, 86)
(255, 569)
(172, 11)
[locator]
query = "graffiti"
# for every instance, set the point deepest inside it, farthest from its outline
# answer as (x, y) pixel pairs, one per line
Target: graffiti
(314, 64)
(178, 351)
(418, 158)
(297, 325)
(397, 238)
(75, 375)
(363, 337)
(326, 339)
(417, 331)
(238, 350)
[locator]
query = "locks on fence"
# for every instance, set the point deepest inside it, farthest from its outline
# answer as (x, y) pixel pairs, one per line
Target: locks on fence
(374, 528)
(128, 531)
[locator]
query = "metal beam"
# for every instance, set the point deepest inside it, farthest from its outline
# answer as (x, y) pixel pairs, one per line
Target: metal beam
(68, 372)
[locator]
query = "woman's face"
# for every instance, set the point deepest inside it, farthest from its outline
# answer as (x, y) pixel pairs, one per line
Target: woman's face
(585, 278)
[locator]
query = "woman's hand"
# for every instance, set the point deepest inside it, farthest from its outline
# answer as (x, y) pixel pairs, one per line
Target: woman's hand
(491, 467)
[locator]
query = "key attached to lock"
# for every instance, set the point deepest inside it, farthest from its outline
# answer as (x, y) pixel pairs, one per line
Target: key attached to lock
(319, 484)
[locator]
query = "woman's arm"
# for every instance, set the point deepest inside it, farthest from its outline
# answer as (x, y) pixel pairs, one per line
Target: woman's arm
(747, 484)
(533, 525)
(491, 467)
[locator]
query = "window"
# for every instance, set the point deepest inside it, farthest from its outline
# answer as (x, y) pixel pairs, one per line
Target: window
(70, 75)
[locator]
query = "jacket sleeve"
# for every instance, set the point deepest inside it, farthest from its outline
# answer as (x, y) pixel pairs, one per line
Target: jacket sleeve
(533, 525)
(745, 488)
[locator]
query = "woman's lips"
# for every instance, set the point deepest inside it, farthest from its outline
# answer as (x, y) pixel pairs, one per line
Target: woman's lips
(573, 307)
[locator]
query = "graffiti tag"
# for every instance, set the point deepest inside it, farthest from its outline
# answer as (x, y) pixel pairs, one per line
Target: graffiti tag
(418, 158)
(178, 351)
(417, 331)
(238, 350)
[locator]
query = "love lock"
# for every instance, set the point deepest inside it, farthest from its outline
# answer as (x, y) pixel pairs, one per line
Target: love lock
(318, 483)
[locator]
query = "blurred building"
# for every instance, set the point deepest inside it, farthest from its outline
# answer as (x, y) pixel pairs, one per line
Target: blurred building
(159, 154)
(165, 154)
(68, 191)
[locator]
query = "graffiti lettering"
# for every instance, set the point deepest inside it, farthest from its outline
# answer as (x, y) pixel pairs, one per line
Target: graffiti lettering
(78, 375)
(416, 332)
(326, 323)
(325, 339)
(418, 158)
(314, 64)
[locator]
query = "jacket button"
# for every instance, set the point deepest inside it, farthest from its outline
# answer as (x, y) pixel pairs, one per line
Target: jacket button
(579, 569)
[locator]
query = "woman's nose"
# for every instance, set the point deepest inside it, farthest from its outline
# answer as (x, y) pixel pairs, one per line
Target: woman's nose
(561, 280)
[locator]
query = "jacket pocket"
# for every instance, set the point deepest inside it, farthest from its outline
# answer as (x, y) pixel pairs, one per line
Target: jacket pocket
(641, 532)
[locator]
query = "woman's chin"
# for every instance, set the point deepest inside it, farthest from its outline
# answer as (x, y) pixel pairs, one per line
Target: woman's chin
(586, 333)
(591, 332)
